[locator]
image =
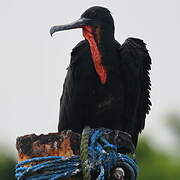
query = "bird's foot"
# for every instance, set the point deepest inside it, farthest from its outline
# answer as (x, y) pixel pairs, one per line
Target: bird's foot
(123, 141)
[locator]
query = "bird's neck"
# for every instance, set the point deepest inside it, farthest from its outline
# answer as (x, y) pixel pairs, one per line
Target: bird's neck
(93, 39)
(99, 51)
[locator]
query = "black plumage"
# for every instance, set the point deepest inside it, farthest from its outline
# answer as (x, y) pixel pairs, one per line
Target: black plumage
(123, 101)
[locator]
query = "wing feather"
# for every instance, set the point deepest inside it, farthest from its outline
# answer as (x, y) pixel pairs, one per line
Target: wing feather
(135, 64)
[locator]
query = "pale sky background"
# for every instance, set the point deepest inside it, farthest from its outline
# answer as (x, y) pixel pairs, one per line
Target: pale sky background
(33, 65)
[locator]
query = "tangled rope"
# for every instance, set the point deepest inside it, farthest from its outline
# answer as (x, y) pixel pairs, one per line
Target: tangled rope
(97, 155)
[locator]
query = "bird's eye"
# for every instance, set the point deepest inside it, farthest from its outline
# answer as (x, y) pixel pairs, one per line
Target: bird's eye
(93, 14)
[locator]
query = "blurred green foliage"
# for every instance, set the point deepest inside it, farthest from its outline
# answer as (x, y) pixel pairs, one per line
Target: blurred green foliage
(156, 165)
(7, 166)
(153, 164)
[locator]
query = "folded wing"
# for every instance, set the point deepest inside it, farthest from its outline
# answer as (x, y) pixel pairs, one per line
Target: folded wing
(135, 64)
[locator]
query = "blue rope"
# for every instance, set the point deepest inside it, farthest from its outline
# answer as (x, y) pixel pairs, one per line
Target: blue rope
(53, 168)
(102, 157)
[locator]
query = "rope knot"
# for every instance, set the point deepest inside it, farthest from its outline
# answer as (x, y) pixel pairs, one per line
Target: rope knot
(101, 156)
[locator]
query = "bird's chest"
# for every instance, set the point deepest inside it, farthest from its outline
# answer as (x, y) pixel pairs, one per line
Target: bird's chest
(85, 71)
(88, 86)
(92, 91)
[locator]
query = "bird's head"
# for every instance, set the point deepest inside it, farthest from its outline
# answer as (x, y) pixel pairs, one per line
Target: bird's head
(95, 18)
(98, 27)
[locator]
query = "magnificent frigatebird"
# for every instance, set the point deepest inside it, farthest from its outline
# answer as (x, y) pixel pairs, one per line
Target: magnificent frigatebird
(107, 84)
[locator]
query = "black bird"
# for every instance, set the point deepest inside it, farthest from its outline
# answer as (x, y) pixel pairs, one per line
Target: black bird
(107, 84)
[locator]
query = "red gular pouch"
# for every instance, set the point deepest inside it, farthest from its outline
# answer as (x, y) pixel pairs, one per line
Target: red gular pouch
(93, 38)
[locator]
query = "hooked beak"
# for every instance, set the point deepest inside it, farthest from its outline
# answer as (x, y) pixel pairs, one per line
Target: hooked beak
(77, 24)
